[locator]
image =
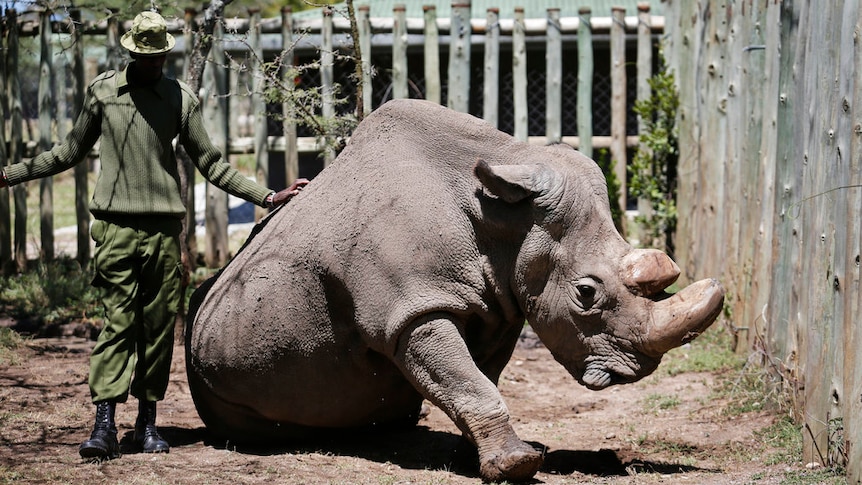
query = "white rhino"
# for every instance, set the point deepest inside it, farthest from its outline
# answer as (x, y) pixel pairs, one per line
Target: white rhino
(406, 271)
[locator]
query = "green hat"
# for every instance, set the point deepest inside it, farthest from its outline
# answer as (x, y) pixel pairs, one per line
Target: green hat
(149, 35)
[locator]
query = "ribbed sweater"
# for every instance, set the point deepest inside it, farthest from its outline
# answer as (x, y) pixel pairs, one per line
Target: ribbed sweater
(137, 125)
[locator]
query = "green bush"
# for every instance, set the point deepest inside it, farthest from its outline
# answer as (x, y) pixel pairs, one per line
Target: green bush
(604, 161)
(52, 293)
(654, 166)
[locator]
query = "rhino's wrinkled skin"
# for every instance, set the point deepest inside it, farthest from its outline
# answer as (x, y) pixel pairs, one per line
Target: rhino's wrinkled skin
(406, 270)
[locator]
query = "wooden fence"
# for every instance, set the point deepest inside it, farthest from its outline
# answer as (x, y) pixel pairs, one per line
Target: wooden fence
(770, 194)
(452, 34)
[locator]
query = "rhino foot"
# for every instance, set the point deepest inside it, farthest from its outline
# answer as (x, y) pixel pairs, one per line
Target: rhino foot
(517, 461)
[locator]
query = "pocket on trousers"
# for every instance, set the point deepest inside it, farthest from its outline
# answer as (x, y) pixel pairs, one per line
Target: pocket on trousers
(97, 231)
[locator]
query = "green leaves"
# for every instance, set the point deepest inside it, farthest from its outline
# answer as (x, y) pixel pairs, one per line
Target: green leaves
(653, 168)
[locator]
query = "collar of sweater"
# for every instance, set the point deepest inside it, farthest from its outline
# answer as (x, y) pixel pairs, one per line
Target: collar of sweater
(161, 87)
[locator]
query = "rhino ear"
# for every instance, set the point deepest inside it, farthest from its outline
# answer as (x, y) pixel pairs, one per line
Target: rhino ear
(513, 183)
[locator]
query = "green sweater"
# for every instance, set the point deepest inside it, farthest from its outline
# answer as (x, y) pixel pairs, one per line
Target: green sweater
(138, 166)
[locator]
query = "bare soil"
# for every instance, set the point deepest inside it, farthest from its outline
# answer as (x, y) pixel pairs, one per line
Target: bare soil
(612, 437)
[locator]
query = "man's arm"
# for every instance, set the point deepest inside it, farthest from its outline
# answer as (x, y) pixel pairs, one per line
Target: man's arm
(217, 171)
(74, 149)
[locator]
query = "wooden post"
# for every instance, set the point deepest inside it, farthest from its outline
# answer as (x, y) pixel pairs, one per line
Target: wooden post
(5, 206)
(291, 153)
(519, 74)
(46, 106)
(82, 212)
(644, 73)
(258, 108)
(432, 55)
(852, 284)
(216, 116)
(781, 335)
(399, 52)
(189, 168)
(619, 156)
(16, 146)
(327, 80)
(114, 52)
(364, 25)
(554, 78)
(459, 58)
(585, 82)
(491, 89)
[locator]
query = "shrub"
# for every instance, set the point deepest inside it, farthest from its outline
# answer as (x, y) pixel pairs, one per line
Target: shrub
(52, 293)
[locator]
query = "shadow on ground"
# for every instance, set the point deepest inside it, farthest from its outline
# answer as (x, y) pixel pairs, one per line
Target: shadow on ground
(421, 448)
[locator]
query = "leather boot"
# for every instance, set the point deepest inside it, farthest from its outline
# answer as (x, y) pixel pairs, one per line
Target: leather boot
(103, 441)
(146, 434)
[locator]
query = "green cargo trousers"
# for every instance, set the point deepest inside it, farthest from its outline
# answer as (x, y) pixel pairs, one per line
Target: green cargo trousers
(137, 264)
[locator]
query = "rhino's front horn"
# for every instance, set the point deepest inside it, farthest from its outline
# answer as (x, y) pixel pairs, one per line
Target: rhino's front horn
(646, 272)
(682, 317)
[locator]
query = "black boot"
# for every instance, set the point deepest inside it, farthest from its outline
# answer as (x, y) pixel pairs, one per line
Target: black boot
(103, 441)
(146, 435)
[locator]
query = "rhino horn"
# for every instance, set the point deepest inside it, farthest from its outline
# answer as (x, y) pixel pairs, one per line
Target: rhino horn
(646, 272)
(683, 316)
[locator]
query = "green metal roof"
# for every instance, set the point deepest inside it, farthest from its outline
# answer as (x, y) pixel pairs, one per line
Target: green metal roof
(478, 8)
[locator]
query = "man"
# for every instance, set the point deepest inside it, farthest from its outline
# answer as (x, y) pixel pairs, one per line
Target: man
(138, 210)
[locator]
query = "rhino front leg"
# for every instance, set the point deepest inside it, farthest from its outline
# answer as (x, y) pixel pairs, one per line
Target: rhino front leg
(433, 355)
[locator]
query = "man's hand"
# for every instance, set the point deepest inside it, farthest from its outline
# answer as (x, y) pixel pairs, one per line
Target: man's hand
(3, 181)
(283, 197)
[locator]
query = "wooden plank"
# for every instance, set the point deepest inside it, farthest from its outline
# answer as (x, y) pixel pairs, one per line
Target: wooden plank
(187, 183)
(399, 52)
(844, 219)
(760, 279)
(553, 78)
(491, 81)
(19, 192)
(214, 105)
(711, 198)
(519, 75)
(730, 96)
(643, 92)
(852, 285)
(749, 191)
(585, 82)
(291, 154)
(684, 54)
(619, 112)
(458, 93)
(47, 98)
(782, 332)
(113, 54)
(327, 80)
(5, 206)
(82, 190)
(816, 301)
(363, 20)
(258, 108)
(432, 55)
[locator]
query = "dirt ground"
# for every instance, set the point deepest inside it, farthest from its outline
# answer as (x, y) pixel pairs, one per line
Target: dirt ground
(613, 436)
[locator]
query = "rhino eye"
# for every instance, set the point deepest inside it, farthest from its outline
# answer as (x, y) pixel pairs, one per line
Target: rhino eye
(587, 292)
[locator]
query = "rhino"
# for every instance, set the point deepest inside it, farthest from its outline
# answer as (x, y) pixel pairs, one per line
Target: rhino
(406, 271)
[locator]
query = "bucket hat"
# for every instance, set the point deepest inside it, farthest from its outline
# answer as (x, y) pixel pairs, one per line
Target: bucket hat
(149, 35)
